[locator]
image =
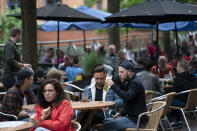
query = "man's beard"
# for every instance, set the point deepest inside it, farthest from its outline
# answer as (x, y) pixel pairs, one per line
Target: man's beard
(126, 79)
(100, 86)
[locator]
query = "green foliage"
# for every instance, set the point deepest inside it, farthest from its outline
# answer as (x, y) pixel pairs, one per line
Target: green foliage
(90, 60)
(129, 3)
(6, 23)
(91, 2)
(188, 1)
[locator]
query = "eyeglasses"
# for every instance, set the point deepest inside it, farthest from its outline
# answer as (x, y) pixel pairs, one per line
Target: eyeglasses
(49, 91)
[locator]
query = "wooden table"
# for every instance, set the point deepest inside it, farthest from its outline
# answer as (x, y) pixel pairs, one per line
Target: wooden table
(91, 106)
(16, 126)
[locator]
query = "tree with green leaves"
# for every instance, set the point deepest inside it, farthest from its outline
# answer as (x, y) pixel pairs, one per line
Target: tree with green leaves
(6, 23)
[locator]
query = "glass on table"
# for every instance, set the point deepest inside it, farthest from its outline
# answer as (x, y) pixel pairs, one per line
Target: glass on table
(76, 96)
(85, 97)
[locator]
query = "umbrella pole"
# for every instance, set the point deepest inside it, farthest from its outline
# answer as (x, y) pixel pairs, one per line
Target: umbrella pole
(177, 45)
(57, 52)
(127, 31)
(84, 40)
(157, 47)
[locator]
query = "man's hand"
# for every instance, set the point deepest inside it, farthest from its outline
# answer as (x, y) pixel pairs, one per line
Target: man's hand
(35, 122)
(27, 66)
(109, 82)
(45, 113)
(23, 114)
(117, 115)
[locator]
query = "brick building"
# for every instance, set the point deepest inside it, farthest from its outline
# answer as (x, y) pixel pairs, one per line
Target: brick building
(39, 3)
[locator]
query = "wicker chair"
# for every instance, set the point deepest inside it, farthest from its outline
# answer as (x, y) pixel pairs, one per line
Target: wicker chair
(150, 94)
(9, 117)
(191, 105)
(168, 99)
(154, 117)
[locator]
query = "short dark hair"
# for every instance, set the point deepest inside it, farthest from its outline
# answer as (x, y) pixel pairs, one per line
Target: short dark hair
(99, 68)
(14, 31)
(39, 73)
(59, 90)
(75, 59)
(147, 64)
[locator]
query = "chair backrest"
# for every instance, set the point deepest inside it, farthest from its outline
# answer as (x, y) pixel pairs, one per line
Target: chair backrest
(149, 95)
(76, 126)
(191, 100)
(7, 117)
(73, 86)
(155, 115)
(64, 86)
(168, 100)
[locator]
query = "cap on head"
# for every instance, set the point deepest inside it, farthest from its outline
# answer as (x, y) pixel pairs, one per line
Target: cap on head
(127, 65)
(21, 76)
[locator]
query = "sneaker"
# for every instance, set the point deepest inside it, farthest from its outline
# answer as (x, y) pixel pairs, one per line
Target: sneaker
(172, 124)
(179, 123)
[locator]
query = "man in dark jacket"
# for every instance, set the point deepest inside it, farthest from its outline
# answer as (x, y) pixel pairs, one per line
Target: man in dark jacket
(131, 90)
(12, 62)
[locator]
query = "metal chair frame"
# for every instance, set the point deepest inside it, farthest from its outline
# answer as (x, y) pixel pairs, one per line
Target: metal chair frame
(191, 105)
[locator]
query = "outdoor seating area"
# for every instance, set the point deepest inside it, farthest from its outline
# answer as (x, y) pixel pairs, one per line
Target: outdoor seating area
(100, 65)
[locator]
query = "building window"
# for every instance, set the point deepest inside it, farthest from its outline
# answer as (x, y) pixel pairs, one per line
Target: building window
(13, 3)
(49, 2)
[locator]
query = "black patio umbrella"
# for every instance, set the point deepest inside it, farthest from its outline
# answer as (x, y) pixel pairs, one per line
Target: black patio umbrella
(61, 12)
(155, 12)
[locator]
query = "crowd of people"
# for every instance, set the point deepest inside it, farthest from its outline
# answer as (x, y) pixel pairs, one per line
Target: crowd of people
(126, 88)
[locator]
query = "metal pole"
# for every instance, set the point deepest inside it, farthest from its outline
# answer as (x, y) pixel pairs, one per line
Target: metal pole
(57, 52)
(157, 46)
(127, 31)
(84, 40)
(177, 44)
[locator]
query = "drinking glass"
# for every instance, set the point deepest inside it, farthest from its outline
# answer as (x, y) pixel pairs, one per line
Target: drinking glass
(76, 96)
(85, 97)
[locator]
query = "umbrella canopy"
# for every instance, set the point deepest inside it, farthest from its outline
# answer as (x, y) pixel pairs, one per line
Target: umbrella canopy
(181, 26)
(63, 12)
(156, 11)
(52, 25)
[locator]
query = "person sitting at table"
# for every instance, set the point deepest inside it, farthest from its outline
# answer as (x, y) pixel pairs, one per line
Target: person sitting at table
(73, 71)
(54, 73)
(164, 68)
(54, 111)
(183, 81)
(131, 90)
(13, 101)
(47, 58)
(99, 91)
(39, 78)
(67, 62)
(149, 80)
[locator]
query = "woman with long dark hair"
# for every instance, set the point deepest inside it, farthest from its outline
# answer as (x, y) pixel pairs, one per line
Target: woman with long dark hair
(53, 112)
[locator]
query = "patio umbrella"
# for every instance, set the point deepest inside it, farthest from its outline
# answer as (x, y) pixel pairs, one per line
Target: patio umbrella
(61, 12)
(52, 25)
(155, 12)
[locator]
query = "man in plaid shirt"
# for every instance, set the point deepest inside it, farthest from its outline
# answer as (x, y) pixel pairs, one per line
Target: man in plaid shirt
(13, 101)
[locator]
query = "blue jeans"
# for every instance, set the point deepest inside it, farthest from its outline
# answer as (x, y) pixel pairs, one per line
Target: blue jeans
(176, 113)
(112, 124)
(41, 129)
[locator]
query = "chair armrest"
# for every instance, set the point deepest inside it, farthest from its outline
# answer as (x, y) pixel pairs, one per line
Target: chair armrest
(68, 92)
(67, 83)
(183, 92)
